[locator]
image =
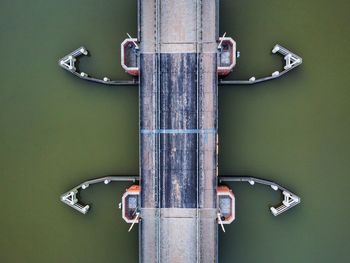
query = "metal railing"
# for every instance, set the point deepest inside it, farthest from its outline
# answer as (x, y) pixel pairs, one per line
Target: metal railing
(69, 61)
(290, 199)
(291, 61)
(70, 198)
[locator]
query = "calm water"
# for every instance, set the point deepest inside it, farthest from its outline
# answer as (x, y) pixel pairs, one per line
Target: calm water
(57, 131)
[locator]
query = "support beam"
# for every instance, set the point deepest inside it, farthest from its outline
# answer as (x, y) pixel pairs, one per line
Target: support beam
(69, 62)
(70, 198)
(290, 199)
(291, 61)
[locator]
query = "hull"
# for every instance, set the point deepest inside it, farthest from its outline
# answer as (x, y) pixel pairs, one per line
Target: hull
(178, 130)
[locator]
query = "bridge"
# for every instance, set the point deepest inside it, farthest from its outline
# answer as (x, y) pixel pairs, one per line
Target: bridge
(176, 60)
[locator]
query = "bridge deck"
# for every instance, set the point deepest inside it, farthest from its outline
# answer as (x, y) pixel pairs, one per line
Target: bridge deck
(178, 130)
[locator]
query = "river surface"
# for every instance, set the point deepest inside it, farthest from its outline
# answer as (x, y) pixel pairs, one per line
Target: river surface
(57, 131)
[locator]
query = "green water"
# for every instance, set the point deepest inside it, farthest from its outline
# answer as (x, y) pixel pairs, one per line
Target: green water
(57, 131)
